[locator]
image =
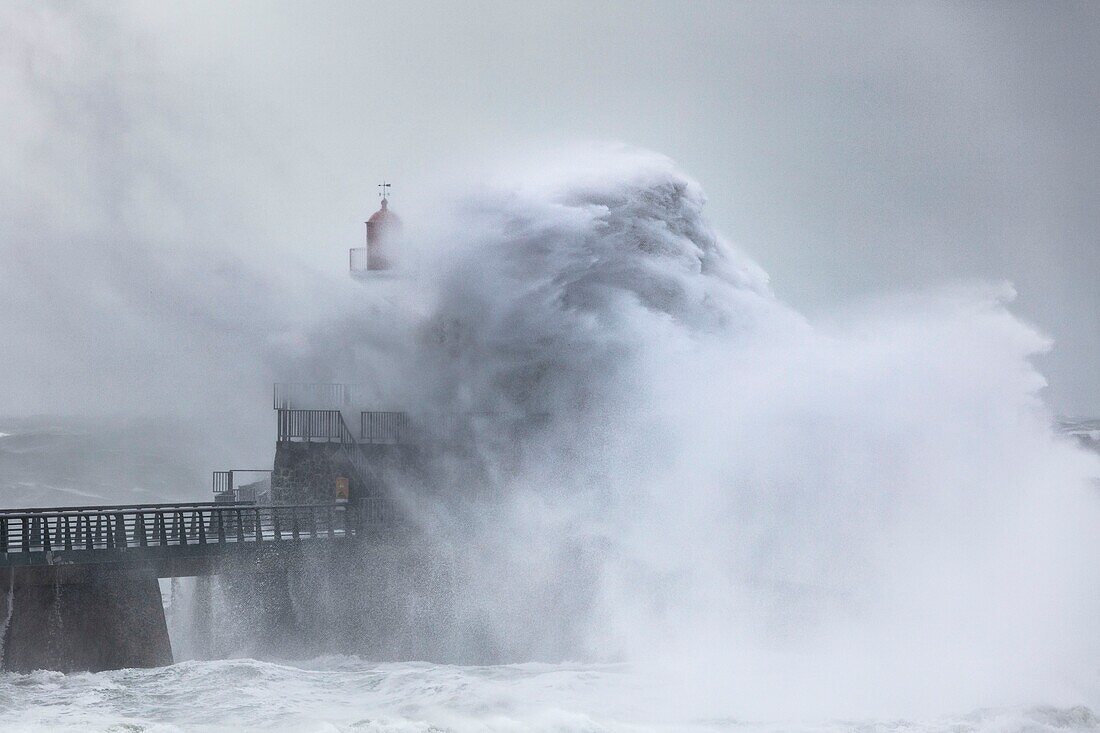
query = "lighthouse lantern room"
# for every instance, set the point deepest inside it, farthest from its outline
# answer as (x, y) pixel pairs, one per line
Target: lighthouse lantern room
(383, 230)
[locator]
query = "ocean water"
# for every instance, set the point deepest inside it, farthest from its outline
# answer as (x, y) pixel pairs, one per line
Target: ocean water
(354, 695)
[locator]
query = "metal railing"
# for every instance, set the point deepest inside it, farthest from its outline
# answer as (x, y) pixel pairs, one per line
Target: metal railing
(227, 487)
(109, 507)
(358, 259)
(384, 427)
(376, 510)
(305, 395)
(222, 482)
(23, 532)
(313, 425)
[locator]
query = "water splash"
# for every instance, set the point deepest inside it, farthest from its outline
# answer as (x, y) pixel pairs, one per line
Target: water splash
(688, 474)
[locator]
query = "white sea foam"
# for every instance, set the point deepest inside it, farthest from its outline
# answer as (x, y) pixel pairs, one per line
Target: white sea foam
(349, 695)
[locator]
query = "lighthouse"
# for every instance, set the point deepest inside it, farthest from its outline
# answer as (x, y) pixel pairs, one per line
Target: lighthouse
(379, 257)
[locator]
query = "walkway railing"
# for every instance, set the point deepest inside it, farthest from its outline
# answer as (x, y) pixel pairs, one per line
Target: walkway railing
(24, 533)
(110, 507)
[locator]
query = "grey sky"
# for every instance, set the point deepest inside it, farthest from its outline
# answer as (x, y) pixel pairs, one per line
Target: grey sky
(161, 158)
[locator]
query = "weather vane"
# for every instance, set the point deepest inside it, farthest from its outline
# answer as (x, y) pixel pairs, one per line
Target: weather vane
(385, 190)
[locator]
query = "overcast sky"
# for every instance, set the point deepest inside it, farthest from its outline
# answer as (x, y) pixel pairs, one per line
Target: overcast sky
(851, 149)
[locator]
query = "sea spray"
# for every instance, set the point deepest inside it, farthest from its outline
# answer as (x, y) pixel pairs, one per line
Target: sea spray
(773, 515)
(173, 609)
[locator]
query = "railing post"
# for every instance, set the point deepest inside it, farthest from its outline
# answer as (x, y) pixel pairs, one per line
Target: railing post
(122, 538)
(259, 527)
(69, 532)
(275, 523)
(4, 535)
(139, 529)
(160, 529)
(44, 533)
(221, 528)
(240, 526)
(181, 529)
(202, 525)
(89, 544)
(26, 534)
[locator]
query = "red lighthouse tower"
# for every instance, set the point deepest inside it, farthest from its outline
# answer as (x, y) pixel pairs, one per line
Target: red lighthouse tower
(383, 231)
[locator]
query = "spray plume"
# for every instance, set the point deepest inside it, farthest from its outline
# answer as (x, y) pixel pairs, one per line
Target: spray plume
(682, 472)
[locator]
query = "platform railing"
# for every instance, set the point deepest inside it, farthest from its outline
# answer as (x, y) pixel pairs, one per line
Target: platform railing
(227, 486)
(375, 510)
(358, 259)
(222, 482)
(171, 526)
(313, 425)
(308, 395)
(377, 426)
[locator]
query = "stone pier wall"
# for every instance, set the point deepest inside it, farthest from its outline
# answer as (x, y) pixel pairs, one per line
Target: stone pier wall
(306, 473)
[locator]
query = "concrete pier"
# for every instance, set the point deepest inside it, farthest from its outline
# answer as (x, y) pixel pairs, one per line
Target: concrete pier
(79, 586)
(93, 620)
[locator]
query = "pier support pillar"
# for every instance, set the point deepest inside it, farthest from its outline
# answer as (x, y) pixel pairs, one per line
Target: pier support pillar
(90, 619)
